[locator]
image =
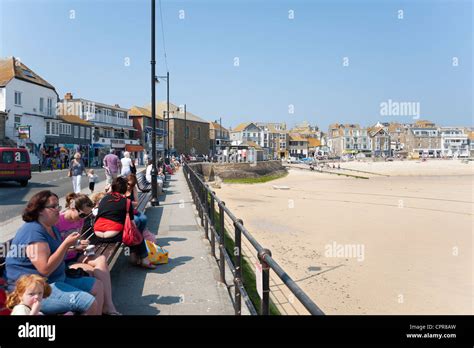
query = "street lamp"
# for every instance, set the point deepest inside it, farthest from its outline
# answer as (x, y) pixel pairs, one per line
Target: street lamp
(154, 188)
(168, 133)
(167, 77)
(185, 135)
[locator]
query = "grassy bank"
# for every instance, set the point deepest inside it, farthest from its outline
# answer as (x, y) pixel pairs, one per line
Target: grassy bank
(258, 180)
(248, 269)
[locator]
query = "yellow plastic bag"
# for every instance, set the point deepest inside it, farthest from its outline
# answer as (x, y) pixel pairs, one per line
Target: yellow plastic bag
(156, 254)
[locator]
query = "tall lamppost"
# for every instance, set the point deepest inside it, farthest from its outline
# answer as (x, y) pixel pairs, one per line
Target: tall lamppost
(154, 188)
(167, 77)
(185, 133)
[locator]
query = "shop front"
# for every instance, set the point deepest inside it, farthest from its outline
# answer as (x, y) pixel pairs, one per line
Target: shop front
(136, 152)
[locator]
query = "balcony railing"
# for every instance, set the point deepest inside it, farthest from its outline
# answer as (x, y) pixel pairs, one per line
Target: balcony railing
(108, 119)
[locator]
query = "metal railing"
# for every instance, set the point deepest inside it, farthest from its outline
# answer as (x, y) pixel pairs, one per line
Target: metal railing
(213, 220)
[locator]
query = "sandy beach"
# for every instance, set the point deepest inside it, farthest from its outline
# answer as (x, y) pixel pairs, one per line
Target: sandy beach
(398, 244)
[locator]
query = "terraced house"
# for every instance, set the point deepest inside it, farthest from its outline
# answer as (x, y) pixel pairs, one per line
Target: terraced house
(27, 101)
(348, 139)
(298, 146)
(424, 141)
(379, 140)
(112, 127)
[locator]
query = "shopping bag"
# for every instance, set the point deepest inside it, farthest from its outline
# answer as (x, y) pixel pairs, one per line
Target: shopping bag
(156, 254)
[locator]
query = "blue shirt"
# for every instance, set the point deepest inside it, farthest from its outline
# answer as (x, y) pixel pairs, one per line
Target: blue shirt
(18, 264)
(76, 168)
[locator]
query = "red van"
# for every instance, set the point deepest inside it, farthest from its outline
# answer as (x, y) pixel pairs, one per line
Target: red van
(15, 165)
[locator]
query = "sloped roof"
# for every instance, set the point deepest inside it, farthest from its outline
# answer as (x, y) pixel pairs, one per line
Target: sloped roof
(74, 119)
(312, 142)
(241, 127)
(174, 113)
(374, 130)
(216, 126)
(252, 144)
(13, 68)
(424, 123)
(297, 137)
(139, 111)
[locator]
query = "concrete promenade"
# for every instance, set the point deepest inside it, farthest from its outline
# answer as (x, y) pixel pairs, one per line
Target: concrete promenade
(188, 284)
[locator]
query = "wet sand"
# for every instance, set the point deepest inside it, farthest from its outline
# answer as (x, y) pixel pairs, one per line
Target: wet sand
(388, 245)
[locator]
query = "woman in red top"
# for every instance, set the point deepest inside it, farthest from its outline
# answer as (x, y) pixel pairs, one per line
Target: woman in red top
(110, 221)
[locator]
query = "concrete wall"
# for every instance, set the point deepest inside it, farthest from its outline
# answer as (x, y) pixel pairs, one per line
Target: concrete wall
(238, 170)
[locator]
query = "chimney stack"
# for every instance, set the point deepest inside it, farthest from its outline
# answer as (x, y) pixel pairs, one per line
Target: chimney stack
(68, 96)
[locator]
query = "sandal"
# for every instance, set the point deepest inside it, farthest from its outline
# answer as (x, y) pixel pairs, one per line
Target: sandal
(145, 263)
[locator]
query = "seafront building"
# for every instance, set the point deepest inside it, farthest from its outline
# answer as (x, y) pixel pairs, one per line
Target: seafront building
(112, 127)
(28, 108)
(344, 139)
(424, 141)
(454, 142)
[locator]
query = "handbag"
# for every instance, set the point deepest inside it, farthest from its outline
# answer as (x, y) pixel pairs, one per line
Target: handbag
(131, 234)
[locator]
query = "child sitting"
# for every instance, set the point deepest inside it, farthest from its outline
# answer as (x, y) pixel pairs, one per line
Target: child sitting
(28, 294)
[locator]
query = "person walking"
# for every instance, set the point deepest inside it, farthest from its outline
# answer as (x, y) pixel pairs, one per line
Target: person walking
(75, 172)
(112, 166)
(126, 162)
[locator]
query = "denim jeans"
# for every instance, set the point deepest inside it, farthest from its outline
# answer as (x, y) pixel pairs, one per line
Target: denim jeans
(140, 220)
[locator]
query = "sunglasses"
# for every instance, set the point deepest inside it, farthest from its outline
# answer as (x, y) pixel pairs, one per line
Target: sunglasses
(56, 207)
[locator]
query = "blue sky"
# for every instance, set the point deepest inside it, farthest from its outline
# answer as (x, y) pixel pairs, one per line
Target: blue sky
(282, 61)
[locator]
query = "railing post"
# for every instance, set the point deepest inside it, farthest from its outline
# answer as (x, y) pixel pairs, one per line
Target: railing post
(203, 204)
(238, 268)
(213, 224)
(206, 206)
(265, 303)
(199, 194)
(221, 242)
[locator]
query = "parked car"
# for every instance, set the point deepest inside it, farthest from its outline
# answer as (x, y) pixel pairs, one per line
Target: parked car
(292, 160)
(15, 165)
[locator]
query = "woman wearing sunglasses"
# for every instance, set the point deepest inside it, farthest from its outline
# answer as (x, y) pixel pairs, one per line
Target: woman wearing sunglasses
(78, 207)
(38, 249)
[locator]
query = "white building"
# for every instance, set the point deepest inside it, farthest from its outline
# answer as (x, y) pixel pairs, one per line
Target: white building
(112, 127)
(454, 142)
(28, 100)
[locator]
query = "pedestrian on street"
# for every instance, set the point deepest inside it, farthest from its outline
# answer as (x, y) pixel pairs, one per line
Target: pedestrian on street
(112, 166)
(76, 169)
(126, 164)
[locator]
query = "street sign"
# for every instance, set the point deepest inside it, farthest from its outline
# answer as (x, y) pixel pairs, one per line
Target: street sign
(24, 132)
(259, 278)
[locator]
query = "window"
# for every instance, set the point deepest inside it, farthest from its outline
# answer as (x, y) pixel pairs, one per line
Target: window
(186, 135)
(49, 111)
(120, 114)
(65, 129)
(28, 73)
(52, 128)
(88, 133)
(41, 104)
(199, 133)
(76, 132)
(18, 98)
(10, 156)
(81, 132)
(17, 121)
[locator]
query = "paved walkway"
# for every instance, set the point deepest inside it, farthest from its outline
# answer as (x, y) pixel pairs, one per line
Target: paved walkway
(188, 284)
